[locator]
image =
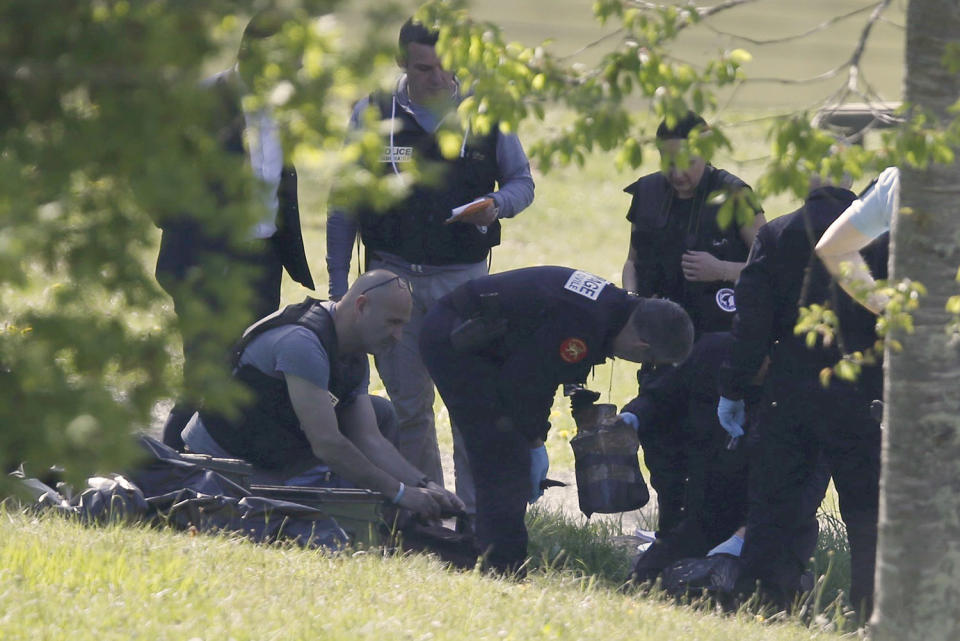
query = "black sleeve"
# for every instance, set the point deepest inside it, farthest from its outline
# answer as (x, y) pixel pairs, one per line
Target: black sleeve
(663, 395)
(753, 322)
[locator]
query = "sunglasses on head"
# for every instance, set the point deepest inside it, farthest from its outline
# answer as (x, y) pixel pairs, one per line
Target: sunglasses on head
(401, 283)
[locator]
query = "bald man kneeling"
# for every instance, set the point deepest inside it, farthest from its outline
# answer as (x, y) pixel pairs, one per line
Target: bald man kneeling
(311, 420)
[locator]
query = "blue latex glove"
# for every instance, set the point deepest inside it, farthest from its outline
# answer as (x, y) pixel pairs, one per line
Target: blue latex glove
(732, 416)
(732, 546)
(630, 419)
(539, 464)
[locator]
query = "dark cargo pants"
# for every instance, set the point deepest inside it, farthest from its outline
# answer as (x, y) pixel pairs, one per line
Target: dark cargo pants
(802, 422)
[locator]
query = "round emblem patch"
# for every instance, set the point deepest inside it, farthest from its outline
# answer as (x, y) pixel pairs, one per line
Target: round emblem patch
(725, 300)
(573, 350)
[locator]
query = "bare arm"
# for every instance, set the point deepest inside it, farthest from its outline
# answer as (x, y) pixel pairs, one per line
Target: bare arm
(865, 219)
(359, 424)
(840, 245)
(319, 423)
(358, 452)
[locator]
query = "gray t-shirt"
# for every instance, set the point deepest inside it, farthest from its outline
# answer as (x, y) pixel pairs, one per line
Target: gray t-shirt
(294, 350)
(290, 349)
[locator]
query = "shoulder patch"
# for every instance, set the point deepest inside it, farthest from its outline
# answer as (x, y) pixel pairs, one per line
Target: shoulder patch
(585, 284)
(725, 300)
(573, 350)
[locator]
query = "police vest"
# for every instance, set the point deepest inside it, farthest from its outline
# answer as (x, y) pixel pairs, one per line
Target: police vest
(660, 239)
(267, 432)
(414, 228)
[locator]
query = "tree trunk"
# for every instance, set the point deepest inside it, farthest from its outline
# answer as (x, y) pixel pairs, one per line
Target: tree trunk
(918, 569)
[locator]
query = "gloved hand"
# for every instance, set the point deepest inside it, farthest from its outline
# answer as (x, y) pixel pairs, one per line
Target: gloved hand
(630, 419)
(539, 464)
(732, 416)
(732, 546)
(580, 397)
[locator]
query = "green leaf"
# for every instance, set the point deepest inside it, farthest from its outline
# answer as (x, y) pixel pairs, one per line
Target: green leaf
(953, 305)
(740, 56)
(847, 371)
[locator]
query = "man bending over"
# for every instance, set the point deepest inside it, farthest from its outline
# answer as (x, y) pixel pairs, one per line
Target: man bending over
(307, 371)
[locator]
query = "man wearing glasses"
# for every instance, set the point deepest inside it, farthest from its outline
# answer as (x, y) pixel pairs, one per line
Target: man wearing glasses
(417, 237)
(311, 421)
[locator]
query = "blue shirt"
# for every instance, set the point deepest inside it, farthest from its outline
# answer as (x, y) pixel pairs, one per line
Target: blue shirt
(514, 194)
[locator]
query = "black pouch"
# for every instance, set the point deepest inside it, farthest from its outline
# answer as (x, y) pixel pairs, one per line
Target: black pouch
(479, 331)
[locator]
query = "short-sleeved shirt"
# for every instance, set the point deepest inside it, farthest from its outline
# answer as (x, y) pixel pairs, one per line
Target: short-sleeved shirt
(291, 349)
(295, 350)
(872, 212)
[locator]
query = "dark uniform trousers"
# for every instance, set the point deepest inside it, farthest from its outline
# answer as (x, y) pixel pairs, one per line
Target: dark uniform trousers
(261, 267)
(804, 423)
(701, 485)
(528, 331)
(684, 446)
(499, 455)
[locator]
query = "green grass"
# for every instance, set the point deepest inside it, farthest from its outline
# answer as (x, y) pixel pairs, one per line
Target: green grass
(61, 580)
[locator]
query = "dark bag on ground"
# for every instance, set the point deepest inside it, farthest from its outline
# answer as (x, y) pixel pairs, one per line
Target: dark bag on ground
(716, 574)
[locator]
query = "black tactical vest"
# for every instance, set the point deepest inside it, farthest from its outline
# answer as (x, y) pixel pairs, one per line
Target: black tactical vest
(267, 433)
(414, 228)
(660, 240)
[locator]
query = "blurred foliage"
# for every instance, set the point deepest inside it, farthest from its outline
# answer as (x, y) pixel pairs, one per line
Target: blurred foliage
(104, 132)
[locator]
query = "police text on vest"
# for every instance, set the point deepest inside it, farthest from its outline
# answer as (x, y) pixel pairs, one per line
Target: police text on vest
(586, 284)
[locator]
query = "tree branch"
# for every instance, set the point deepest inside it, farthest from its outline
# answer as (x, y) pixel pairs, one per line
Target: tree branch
(852, 64)
(705, 12)
(702, 12)
(820, 27)
(591, 45)
(862, 44)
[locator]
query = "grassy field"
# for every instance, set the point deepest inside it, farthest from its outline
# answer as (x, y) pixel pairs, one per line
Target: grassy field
(59, 580)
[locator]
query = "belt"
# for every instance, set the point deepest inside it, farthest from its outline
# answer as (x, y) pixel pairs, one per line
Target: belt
(412, 267)
(418, 268)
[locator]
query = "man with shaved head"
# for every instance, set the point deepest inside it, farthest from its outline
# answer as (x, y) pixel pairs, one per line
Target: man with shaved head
(311, 420)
